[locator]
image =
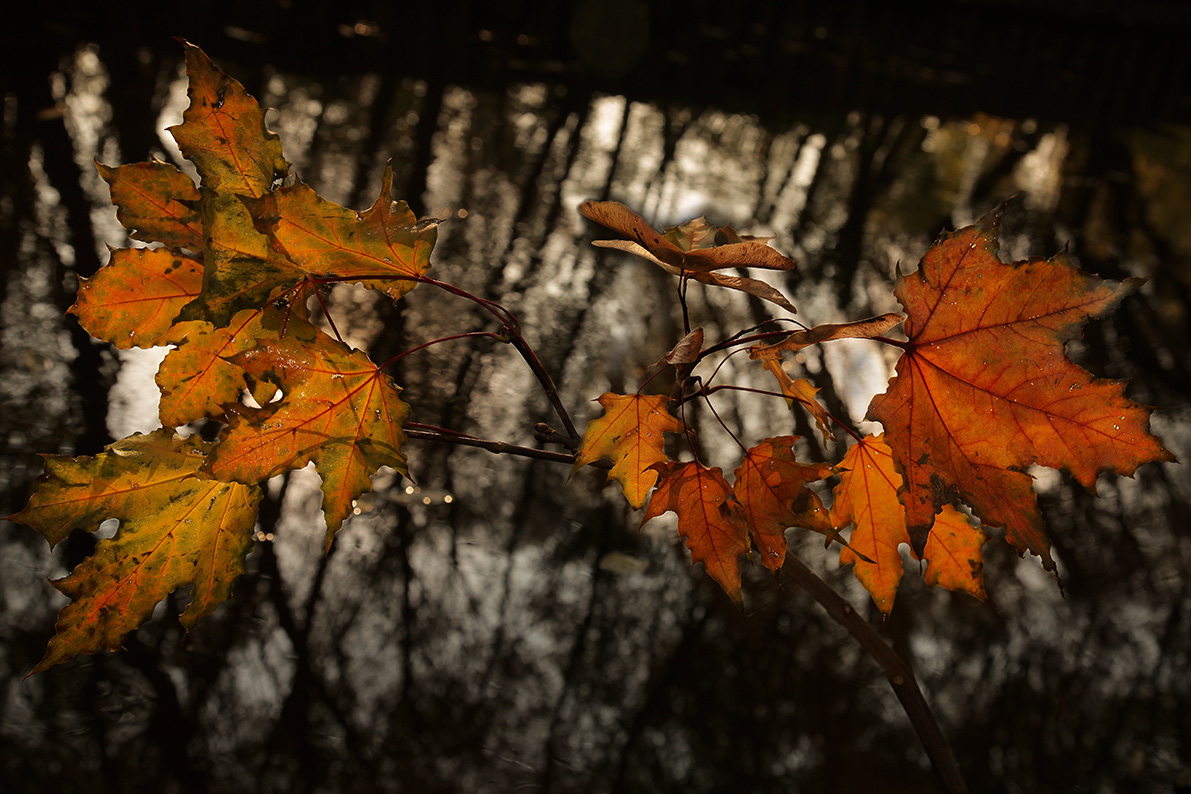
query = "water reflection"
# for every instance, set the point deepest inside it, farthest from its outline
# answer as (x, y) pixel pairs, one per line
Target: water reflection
(487, 642)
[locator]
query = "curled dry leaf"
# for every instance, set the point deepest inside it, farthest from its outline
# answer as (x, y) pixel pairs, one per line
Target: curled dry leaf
(861, 329)
(695, 249)
(687, 350)
(750, 286)
(803, 392)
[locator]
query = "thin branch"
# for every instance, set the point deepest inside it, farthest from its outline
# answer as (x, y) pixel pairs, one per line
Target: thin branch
(508, 321)
(426, 433)
(900, 675)
(451, 338)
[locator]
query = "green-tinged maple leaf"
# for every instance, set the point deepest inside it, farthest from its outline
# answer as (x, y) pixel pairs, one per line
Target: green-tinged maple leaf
(984, 388)
(385, 240)
(156, 203)
(771, 489)
(133, 300)
(223, 133)
(200, 377)
(630, 433)
(338, 410)
(867, 497)
(240, 268)
(178, 527)
(710, 520)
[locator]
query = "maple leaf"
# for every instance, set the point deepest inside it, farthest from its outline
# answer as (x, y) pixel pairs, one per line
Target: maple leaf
(984, 389)
(770, 486)
(258, 249)
(156, 203)
(223, 132)
(240, 268)
(199, 377)
(384, 241)
(695, 260)
(867, 497)
(132, 301)
(338, 410)
(630, 433)
(178, 527)
(710, 520)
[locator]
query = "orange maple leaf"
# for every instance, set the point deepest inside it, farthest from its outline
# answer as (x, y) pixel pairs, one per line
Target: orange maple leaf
(156, 203)
(177, 527)
(385, 240)
(867, 497)
(133, 299)
(631, 433)
(771, 489)
(984, 388)
(710, 520)
(223, 132)
(200, 376)
(338, 410)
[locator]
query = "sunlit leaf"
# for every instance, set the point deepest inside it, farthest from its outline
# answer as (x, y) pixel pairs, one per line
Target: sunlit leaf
(338, 410)
(709, 518)
(984, 388)
(133, 300)
(178, 527)
(223, 132)
(156, 203)
(631, 434)
(771, 489)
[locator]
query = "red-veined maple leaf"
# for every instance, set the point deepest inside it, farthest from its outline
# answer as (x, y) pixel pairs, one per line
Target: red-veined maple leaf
(984, 388)
(867, 497)
(337, 409)
(178, 526)
(710, 520)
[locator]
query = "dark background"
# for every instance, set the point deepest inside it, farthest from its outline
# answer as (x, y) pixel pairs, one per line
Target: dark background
(527, 637)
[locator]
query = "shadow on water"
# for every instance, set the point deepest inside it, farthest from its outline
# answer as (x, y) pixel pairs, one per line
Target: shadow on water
(502, 628)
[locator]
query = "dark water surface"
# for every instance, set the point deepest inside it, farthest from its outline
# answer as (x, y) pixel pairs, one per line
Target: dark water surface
(517, 633)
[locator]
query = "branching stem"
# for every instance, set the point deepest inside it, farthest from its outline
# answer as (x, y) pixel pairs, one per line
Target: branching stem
(508, 321)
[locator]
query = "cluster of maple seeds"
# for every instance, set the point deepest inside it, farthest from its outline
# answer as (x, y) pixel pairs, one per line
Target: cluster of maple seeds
(240, 255)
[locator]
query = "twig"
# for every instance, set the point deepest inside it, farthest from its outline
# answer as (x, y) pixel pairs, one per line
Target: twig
(427, 433)
(900, 676)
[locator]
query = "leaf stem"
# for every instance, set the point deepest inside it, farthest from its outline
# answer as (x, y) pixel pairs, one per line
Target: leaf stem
(424, 345)
(508, 321)
(900, 675)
